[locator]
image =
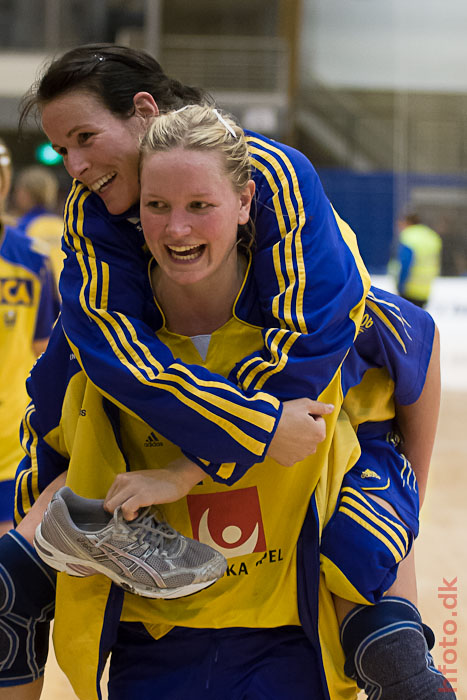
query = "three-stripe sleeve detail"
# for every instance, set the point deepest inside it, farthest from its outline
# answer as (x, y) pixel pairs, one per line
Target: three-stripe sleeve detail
(408, 475)
(391, 315)
(278, 342)
(287, 200)
(392, 534)
(26, 486)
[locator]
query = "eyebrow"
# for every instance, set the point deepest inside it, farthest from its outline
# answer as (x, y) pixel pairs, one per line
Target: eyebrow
(67, 135)
(194, 195)
(72, 131)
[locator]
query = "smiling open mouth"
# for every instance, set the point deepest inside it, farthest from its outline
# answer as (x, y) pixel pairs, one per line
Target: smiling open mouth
(186, 252)
(102, 182)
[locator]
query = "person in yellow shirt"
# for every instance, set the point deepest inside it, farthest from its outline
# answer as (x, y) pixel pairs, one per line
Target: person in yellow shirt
(35, 199)
(419, 259)
(28, 309)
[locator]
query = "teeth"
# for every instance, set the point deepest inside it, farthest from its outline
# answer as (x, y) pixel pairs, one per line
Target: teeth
(181, 248)
(190, 257)
(101, 182)
(181, 252)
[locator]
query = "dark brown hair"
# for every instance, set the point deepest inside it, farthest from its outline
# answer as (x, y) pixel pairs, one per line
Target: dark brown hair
(114, 74)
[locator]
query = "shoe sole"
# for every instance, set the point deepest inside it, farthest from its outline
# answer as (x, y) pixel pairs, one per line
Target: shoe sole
(73, 566)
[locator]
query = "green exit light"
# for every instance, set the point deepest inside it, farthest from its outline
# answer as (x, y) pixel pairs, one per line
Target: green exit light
(46, 155)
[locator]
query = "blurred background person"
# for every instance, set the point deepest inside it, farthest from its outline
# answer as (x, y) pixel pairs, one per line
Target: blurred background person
(419, 257)
(35, 201)
(28, 309)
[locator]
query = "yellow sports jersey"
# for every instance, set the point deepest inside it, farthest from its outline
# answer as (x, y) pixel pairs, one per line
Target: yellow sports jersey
(245, 523)
(262, 523)
(257, 523)
(28, 307)
(45, 226)
(49, 228)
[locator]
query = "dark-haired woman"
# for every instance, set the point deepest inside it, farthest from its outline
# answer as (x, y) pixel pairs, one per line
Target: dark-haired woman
(95, 102)
(312, 290)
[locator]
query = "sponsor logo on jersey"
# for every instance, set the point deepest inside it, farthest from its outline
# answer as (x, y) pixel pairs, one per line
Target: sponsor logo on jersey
(231, 522)
(152, 440)
(369, 473)
(366, 323)
(9, 318)
(16, 291)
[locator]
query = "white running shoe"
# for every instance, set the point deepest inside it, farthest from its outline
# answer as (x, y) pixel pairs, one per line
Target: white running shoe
(143, 556)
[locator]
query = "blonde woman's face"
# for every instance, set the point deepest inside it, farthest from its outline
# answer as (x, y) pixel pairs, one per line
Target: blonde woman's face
(190, 213)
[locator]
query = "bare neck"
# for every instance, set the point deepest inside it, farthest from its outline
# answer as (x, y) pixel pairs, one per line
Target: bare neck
(201, 308)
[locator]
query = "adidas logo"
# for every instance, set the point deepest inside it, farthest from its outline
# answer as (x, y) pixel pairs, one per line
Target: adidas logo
(369, 473)
(136, 222)
(152, 440)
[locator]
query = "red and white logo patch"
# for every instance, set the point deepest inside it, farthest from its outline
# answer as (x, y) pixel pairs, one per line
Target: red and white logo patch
(230, 522)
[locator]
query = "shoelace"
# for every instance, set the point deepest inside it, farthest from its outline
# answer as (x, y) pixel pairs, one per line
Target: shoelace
(162, 536)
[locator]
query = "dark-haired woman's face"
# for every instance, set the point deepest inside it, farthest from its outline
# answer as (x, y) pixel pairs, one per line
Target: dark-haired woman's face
(99, 149)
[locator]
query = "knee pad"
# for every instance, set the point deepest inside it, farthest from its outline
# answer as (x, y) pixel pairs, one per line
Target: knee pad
(27, 600)
(387, 653)
(398, 665)
(24, 647)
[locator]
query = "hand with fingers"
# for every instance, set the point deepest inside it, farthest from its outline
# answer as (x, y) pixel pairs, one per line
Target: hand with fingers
(301, 428)
(137, 489)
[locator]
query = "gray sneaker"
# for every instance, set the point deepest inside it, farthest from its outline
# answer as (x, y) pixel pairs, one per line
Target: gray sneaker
(143, 556)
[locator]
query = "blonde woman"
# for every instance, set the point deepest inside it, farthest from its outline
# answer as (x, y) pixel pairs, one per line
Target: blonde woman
(196, 194)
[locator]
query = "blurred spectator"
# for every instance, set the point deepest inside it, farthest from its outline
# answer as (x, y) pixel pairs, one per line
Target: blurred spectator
(35, 198)
(28, 309)
(419, 259)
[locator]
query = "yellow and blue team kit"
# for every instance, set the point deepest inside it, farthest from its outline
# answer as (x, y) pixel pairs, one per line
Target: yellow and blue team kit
(28, 308)
(268, 524)
(312, 286)
(310, 297)
(44, 225)
(251, 521)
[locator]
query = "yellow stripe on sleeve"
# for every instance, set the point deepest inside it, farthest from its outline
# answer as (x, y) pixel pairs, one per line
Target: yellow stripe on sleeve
(396, 554)
(278, 363)
(359, 496)
(226, 470)
(21, 486)
(400, 551)
(350, 239)
(230, 388)
(386, 524)
(296, 220)
(376, 310)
